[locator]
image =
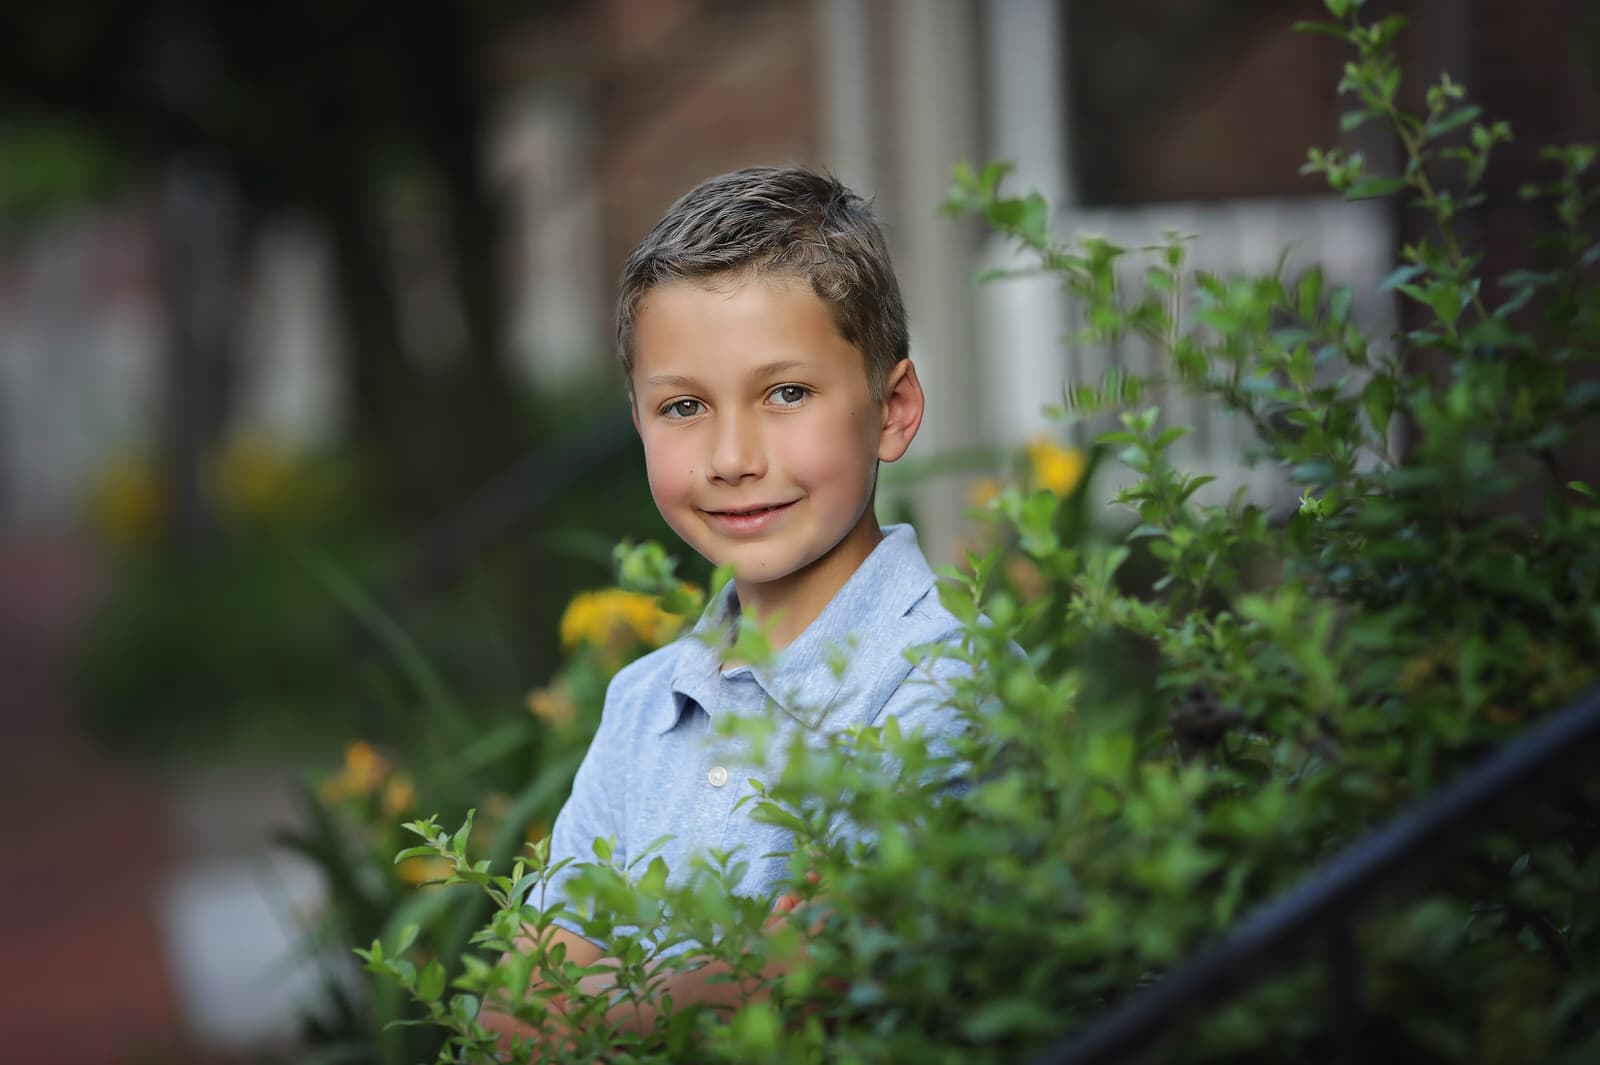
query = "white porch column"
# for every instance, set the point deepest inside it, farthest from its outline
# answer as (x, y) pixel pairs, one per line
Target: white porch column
(844, 80)
(934, 125)
(1023, 320)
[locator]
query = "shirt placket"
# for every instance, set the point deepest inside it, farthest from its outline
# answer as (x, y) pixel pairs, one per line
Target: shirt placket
(723, 772)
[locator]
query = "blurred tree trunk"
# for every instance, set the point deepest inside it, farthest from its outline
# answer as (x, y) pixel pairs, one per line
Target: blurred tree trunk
(456, 128)
(380, 385)
(199, 248)
(200, 231)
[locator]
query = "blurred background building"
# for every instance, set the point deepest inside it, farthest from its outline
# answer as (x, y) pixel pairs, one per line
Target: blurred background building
(293, 224)
(391, 231)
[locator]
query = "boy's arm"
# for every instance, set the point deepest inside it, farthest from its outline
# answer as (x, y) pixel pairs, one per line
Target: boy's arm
(706, 986)
(579, 950)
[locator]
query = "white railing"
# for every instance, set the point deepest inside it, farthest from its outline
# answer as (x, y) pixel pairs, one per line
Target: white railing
(1026, 322)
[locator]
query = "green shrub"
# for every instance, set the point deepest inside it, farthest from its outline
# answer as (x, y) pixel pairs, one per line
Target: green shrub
(1126, 808)
(511, 761)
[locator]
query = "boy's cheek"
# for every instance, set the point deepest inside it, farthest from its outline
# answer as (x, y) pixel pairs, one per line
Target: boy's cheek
(668, 472)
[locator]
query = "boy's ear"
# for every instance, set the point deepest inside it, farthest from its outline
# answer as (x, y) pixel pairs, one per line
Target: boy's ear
(902, 411)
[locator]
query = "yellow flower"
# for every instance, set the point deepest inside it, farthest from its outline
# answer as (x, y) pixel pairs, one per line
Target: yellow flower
(398, 795)
(613, 618)
(552, 705)
(1055, 467)
(253, 477)
(128, 505)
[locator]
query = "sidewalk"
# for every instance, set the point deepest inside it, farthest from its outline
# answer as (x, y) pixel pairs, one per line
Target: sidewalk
(82, 963)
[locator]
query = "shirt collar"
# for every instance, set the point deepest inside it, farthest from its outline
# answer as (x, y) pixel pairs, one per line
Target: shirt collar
(804, 677)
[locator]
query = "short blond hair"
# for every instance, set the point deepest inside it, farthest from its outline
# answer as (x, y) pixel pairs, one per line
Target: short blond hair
(783, 222)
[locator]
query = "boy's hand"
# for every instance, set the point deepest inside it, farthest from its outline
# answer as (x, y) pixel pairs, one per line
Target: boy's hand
(787, 904)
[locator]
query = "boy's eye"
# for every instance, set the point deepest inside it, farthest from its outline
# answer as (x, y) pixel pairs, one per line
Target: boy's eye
(789, 395)
(682, 408)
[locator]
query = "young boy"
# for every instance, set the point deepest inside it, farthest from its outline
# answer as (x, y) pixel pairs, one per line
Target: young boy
(764, 341)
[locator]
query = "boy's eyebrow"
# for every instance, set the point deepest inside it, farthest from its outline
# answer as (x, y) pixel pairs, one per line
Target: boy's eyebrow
(770, 369)
(674, 380)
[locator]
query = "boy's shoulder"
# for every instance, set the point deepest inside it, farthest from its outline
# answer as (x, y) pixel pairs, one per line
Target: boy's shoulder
(929, 619)
(895, 596)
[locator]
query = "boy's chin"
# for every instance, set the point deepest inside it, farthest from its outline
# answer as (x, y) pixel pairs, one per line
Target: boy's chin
(747, 574)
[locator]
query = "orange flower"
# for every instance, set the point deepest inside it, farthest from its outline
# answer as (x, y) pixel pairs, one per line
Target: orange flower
(364, 768)
(333, 789)
(422, 869)
(984, 490)
(553, 705)
(1025, 576)
(398, 795)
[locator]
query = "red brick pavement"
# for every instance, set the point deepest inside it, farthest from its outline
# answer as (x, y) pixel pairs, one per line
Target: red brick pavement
(82, 977)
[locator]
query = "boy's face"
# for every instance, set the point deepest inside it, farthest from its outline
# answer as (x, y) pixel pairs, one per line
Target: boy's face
(761, 436)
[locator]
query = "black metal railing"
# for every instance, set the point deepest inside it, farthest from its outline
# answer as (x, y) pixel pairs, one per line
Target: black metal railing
(1319, 915)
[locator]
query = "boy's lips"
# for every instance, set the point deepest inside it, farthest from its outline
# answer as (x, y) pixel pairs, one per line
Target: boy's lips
(748, 519)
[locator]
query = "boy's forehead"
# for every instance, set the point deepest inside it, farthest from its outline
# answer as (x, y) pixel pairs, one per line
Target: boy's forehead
(741, 325)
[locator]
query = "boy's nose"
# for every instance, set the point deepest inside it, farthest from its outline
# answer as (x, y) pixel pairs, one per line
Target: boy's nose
(736, 451)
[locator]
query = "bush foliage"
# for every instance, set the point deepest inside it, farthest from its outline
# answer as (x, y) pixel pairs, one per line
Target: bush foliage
(1183, 738)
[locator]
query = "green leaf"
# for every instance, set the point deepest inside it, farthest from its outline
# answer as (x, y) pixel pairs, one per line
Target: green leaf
(1395, 278)
(1459, 117)
(430, 981)
(1008, 1017)
(408, 936)
(1447, 300)
(464, 1008)
(1327, 29)
(755, 1029)
(415, 852)
(1373, 187)
(1339, 304)
(458, 842)
(1377, 399)
(1315, 471)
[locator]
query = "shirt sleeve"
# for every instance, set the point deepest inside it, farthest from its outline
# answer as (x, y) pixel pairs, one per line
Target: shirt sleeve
(590, 813)
(922, 702)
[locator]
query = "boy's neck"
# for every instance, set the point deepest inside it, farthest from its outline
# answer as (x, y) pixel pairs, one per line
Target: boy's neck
(785, 607)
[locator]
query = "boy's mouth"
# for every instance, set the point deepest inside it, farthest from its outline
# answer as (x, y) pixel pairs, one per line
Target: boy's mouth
(747, 519)
(744, 512)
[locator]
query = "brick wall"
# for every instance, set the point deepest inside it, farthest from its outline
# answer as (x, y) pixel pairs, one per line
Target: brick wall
(689, 88)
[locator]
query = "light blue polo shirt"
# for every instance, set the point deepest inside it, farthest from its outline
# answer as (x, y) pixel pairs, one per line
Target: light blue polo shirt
(655, 768)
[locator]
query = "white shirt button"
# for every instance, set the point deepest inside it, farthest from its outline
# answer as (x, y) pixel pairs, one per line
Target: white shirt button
(718, 776)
